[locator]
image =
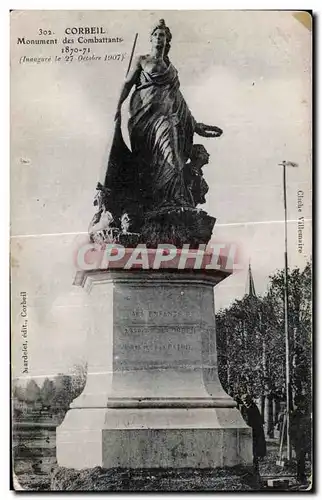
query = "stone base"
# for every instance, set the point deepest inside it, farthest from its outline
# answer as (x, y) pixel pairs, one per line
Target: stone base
(151, 438)
(153, 397)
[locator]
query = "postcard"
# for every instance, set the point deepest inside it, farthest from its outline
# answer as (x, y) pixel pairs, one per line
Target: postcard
(161, 250)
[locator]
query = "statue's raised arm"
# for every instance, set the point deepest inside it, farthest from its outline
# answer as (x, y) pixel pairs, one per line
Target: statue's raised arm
(131, 79)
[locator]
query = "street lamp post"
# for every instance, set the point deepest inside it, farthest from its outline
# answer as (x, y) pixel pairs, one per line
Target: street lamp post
(286, 309)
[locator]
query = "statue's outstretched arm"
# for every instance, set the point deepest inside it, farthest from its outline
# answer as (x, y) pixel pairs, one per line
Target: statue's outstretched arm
(202, 129)
(130, 80)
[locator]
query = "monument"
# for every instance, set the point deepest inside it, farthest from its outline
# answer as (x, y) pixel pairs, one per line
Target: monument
(153, 397)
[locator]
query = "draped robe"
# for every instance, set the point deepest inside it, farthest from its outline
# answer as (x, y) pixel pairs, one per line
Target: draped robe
(161, 132)
(161, 129)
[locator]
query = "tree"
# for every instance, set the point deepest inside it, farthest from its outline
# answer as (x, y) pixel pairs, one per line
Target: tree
(18, 400)
(18, 391)
(78, 379)
(32, 393)
(240, 334)
(299, 323)
(62, 397)
(251, 340)
(47, 393)
(68, 386)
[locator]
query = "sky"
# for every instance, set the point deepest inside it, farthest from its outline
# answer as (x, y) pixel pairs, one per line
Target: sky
(247, 72)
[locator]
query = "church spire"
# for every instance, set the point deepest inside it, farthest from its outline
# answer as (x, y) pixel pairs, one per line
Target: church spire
(251, 286)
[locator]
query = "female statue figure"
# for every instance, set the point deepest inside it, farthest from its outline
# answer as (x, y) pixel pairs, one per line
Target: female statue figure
(150, 178)
(161, 126)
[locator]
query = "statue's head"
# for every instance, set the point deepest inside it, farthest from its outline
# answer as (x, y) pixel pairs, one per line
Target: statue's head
(161, 36)
(199, 154)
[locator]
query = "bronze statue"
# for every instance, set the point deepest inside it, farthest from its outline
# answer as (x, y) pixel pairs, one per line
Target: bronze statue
(150, 179)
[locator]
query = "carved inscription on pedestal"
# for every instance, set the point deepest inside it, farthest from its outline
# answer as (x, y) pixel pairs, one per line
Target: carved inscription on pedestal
(156, 346)
(158, 328)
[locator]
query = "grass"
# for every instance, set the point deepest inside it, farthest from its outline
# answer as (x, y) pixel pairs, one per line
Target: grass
(37, 470)
(98, 479)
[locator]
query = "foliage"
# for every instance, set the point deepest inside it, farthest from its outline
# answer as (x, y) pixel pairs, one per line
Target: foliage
(78, 379)
(251, 339)
(47, 393)
(300, 323)
(32, 392)
(54, 395)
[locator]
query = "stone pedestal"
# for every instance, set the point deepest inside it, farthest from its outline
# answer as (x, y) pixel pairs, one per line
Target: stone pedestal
(152, 396)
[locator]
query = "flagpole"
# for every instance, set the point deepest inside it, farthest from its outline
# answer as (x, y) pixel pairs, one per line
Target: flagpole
(286, 312)
(287, 337)
(132, 53)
